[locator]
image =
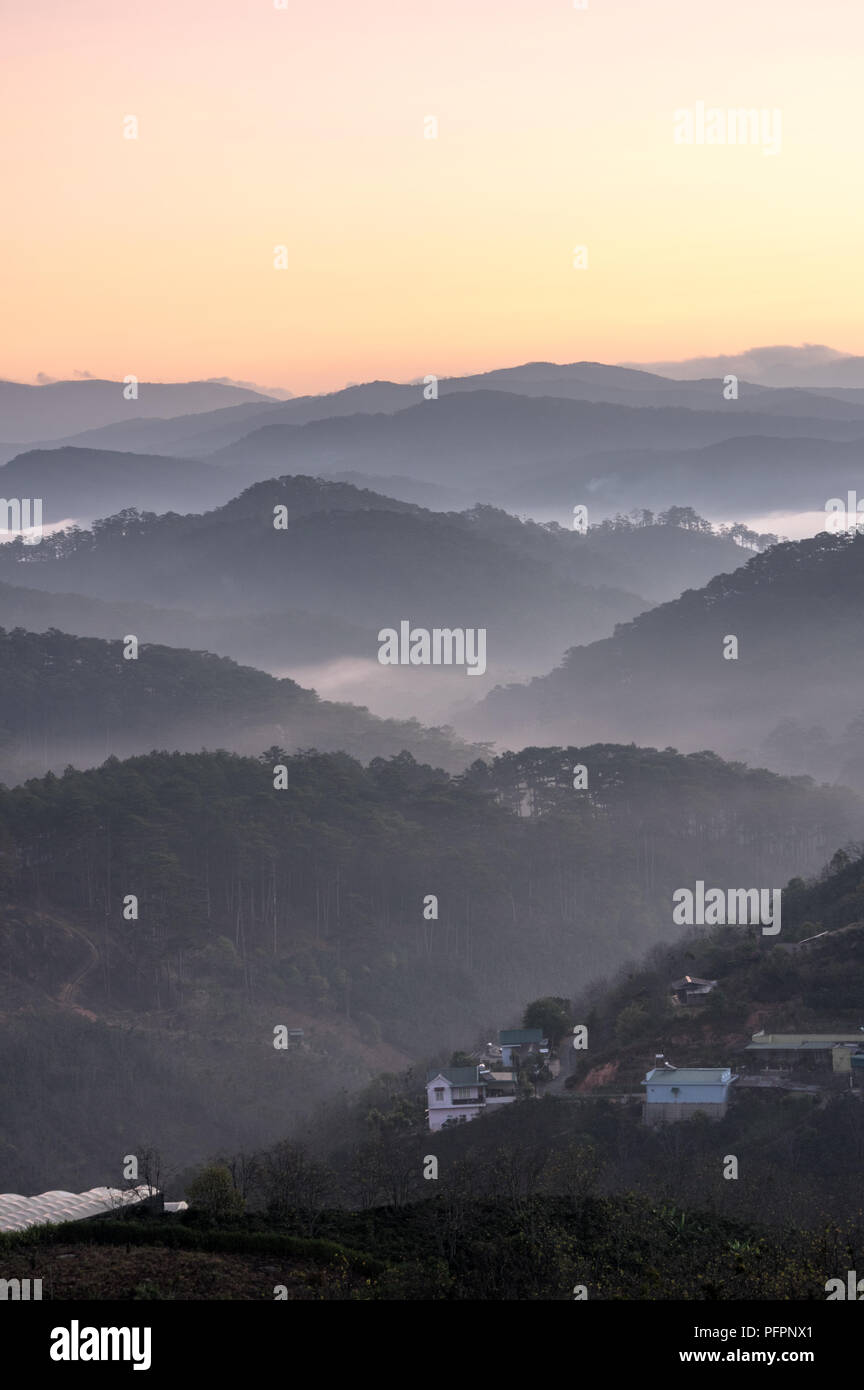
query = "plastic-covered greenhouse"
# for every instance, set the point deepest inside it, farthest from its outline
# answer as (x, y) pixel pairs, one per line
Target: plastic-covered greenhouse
(17, 1213)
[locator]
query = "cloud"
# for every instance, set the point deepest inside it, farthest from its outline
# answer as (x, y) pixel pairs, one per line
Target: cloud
(780, 364)
(85, 376)
(43, 379)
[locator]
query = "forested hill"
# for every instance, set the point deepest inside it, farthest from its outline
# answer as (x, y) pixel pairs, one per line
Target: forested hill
(84, 483)
(336, 863)
(339, 551)
(797, 615)
(656, 555)
(358, 557)
(259, 906)
(78, 700)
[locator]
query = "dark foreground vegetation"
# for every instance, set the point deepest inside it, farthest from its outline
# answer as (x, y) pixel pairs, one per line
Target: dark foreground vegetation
(545, 1247)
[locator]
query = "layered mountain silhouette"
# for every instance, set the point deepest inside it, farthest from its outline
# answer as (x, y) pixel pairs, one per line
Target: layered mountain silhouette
(537, 436)
(239, 541)
(354, 562)
(201, 431)
(495, 441)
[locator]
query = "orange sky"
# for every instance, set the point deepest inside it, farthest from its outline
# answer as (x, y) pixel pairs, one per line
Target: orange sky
(303, 127)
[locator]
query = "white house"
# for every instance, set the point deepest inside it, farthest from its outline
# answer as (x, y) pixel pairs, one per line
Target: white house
(463, 1093)
(676, 1093)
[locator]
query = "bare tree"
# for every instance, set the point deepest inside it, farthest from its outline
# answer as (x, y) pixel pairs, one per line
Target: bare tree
(295, 1184)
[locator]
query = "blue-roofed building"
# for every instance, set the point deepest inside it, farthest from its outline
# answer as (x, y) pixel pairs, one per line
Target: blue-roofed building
(677, 1093)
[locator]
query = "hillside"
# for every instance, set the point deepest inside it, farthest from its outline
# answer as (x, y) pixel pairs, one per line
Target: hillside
(743, 473)
(539, 436)
(771, 984)
(530, 585)
(80, 484)
(540, 1199)
(304, 906)
(499, 444)
(256, 641)
(79, 700)
(354, 555)
(792, 695)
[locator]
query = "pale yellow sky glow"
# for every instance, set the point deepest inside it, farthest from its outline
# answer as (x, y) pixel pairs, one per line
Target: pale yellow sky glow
(304, 127)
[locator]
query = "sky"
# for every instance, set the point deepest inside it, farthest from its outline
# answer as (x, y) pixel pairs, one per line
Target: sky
(304, 128)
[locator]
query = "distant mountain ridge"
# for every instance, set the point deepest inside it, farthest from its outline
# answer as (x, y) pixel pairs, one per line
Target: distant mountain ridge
(206, 431)
(57, 408)
(536, 436)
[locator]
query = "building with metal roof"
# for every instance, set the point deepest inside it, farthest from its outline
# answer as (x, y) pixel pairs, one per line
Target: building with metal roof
(457, 1094)
(691, 989)
(458, 1076)
(784, 1048)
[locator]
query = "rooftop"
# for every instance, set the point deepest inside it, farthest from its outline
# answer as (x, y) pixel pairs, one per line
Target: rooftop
(689, 1076)
(17, 1212)
(457, 1076)
(797, 1046)
(782, 1041)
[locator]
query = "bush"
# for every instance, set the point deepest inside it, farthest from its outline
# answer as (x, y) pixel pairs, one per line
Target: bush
(214, 1193)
